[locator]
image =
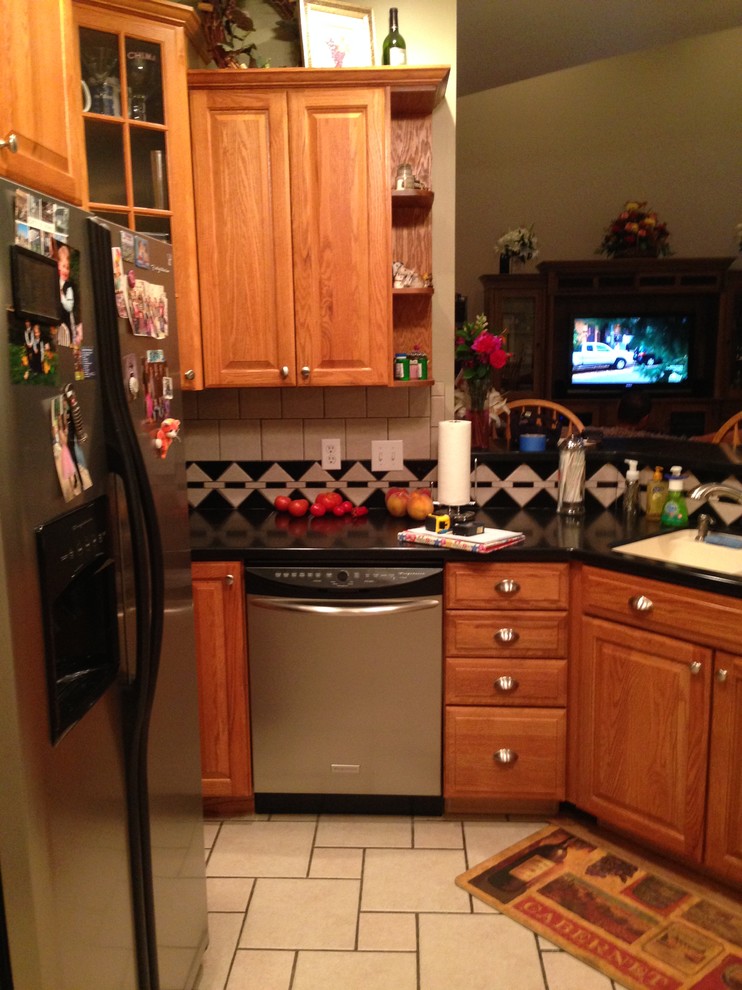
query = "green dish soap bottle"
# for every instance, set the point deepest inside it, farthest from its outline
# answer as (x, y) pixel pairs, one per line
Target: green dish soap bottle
(675, 511)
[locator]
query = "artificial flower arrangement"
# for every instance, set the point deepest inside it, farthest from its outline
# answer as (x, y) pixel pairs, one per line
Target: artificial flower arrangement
(637, 230)
(520, 243)
(480, 354)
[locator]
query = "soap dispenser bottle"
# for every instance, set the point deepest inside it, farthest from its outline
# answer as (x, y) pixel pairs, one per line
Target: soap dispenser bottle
(631, 492)
(656, 494)
(675, 511)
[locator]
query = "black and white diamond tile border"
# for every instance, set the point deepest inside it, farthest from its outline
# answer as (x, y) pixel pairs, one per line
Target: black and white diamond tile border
(255, 484)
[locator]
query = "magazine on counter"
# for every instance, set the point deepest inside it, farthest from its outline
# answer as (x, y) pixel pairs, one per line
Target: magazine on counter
(486, 542)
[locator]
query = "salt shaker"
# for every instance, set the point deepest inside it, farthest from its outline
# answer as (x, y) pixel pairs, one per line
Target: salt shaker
(571, 498)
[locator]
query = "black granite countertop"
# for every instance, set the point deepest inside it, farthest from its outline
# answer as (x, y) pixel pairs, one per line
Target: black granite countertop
(263, 537)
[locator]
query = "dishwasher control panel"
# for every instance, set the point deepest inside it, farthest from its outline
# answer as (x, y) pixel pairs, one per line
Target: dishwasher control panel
(348, 580)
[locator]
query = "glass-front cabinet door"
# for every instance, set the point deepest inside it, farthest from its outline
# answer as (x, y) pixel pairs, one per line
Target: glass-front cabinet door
(133, 58)
(515, 304)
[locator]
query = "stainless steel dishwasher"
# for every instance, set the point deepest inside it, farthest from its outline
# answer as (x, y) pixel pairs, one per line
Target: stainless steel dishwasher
(345, 670)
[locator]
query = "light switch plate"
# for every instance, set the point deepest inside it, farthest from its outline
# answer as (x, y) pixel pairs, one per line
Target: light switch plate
(387, 455)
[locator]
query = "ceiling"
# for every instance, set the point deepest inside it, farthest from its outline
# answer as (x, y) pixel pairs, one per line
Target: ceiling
(504, 41)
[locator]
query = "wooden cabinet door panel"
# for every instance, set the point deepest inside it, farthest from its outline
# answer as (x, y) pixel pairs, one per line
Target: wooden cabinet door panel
(535, 738)
(508, 586)
(218, 605)
(503, 634)
(41, 98)
(723, 851)
(643, 728)
(243, 220)
(341, 215)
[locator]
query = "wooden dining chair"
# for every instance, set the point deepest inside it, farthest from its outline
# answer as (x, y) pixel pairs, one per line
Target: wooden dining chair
(729, 432)
(542, 415)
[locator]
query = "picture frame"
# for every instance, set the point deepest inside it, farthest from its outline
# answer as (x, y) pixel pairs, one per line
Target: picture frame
(336, 35)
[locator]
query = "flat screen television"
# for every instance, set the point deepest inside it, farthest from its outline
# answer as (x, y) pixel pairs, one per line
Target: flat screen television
(611, 352)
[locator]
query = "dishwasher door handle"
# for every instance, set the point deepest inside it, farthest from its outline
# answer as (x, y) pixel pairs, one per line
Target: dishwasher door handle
(334, 608)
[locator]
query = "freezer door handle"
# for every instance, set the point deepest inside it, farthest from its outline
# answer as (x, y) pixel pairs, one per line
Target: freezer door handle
(336, 608)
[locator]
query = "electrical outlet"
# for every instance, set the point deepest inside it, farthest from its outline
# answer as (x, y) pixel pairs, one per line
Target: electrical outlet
(331, 455)
(387, 455)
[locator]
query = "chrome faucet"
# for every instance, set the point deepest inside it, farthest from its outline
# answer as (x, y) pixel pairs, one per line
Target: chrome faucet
(716, 491)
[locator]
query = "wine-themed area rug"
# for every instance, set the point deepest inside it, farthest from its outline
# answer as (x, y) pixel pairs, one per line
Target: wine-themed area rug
(639, 923)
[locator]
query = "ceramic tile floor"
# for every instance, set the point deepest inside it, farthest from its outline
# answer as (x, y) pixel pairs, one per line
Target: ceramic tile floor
(335, 902)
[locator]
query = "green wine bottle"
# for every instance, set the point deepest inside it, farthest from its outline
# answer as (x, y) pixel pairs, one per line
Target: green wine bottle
(394, 49)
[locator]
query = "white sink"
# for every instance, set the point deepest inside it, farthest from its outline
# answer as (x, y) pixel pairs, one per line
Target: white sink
(681, 547)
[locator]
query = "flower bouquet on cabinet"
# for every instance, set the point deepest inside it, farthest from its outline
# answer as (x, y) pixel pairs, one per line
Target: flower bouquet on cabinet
(637, 232)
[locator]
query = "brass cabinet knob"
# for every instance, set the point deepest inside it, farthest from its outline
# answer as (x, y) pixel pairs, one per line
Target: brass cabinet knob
(505, 756)
(506, 636)
(506, 683)
(285, 371)
(507, 587)
(695, 667)
(721, 675)
(10, 142)
(640, 603)
(189, 375)
(305, 371)
(229, 579)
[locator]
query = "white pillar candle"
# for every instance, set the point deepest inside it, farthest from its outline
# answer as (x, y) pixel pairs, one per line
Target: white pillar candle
(454, 462)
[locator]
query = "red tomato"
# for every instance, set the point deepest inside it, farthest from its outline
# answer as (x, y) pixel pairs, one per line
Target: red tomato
(298, 507)
(318, 509)
(359, 510)
(321, 499)
(281, 503)
(346, 506)
(337, 510)
(333, 498)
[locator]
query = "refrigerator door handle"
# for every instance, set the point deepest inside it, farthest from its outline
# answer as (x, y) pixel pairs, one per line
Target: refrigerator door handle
(125, 459)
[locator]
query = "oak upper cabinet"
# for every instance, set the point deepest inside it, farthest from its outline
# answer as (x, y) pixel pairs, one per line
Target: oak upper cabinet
(293, 181)
(723, 851)
(132, 66)
(41, 102)
(221, 657)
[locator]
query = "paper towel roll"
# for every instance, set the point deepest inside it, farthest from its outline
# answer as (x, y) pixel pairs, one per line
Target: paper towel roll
(454, 461)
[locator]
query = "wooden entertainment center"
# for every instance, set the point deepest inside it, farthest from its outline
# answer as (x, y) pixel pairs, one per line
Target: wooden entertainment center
(535, 309)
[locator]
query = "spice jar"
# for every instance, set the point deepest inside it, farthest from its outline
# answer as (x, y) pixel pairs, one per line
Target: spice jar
(401, 368)
(418, 366)
(405, 177)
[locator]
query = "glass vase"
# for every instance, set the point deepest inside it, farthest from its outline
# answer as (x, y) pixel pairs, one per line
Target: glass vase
(478, 412)
(504, 264)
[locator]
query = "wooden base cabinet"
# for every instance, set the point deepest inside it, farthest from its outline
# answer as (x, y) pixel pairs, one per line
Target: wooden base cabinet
(723, 849)
(221, 654)
(656, 710)
(505, 642)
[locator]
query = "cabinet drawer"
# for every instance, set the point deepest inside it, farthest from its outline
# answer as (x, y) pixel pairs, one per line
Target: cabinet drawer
(507, 586)
(712, 620)
(506, 682)
(501, 634)
(476, 743)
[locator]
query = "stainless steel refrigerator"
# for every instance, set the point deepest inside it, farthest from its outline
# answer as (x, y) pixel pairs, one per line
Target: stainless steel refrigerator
(101, 834)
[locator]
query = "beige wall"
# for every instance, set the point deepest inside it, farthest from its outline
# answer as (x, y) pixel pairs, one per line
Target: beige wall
(564, 151)
(276, 424)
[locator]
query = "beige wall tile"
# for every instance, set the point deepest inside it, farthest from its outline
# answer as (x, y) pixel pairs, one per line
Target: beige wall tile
(419, 402)
(315, 430)
(240, 440)
(345, 403)
(201, 439)
(260, 403)
(283, 440)
(358, 436)
(415, 433)
(218, 403)
(387, 402)
(302, 403)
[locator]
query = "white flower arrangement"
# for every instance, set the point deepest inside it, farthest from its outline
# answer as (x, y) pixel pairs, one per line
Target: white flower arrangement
(521, 243)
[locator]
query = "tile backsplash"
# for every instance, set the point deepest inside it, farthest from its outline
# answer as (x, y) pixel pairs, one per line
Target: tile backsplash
(278, 424)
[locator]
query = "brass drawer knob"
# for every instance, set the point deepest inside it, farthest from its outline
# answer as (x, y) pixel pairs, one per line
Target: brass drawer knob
(505, 756)
(284, 371)
(507, 587)
(506, 683)
(695, 666)
(640, 603)
(721, 675)
(506, 636)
